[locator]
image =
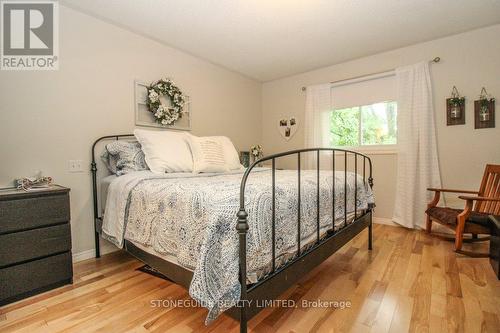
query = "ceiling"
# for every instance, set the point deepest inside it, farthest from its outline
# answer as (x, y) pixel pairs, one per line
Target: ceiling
(270, 39)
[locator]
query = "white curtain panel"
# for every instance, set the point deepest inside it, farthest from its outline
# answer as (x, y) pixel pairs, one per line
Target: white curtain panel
(418, 165)
(318, 107)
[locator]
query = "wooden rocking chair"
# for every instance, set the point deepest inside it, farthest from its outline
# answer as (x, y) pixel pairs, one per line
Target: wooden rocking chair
(473, 219)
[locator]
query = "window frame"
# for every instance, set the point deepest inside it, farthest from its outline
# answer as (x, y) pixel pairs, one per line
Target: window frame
(387, 149)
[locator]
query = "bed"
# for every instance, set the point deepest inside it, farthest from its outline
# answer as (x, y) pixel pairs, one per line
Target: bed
(237, 239)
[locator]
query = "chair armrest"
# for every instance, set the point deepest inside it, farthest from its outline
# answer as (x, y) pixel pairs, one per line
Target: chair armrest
(469, 198)
(468, 206)
(437, 194)
(451, 191)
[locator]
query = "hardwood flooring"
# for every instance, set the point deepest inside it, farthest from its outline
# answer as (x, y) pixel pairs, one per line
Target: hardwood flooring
(409, 282)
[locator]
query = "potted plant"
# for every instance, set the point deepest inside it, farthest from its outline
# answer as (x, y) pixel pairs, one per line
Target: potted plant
(256, 152)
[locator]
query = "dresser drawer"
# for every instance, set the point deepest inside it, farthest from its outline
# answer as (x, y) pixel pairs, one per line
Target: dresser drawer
(27, 279)
(25, 245)
(28, 213)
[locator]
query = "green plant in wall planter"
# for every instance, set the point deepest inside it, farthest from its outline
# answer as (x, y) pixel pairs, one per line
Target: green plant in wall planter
(484, 105)
(456, 103)
(484, 110)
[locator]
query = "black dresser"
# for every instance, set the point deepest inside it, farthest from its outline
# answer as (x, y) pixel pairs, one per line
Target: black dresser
(495, 244)
(35, 242)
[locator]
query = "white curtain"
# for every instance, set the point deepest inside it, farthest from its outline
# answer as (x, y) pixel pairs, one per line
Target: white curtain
(418, 165)
(318, 106)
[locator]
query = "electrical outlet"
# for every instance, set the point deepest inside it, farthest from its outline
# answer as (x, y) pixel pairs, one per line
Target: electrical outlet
(75, 166)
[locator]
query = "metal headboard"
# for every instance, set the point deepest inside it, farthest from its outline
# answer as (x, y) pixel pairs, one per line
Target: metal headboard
(93, 170)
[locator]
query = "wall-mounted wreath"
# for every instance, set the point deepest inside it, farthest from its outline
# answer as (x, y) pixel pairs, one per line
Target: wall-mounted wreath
(165, 115)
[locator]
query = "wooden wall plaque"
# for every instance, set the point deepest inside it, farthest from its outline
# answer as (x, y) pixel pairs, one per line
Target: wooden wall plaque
(450, 121)
(490, 123)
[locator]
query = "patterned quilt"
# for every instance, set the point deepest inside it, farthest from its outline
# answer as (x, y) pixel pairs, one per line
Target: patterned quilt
(194, 219)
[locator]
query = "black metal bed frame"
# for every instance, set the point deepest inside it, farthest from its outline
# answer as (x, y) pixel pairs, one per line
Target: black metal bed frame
(280, 278)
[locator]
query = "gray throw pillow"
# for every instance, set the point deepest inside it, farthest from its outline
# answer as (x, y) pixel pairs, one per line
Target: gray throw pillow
(127, 157)
(109, 161)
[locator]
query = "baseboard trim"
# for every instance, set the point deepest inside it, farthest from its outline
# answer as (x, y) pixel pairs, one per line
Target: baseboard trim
(106, 248)
(385, 220)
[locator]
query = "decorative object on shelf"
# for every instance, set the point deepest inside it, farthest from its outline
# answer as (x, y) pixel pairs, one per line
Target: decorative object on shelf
(161, 104)
(288, 127)
(455, 108)
(484, 111)
(256, 152)
(29, 183)
(245, 158)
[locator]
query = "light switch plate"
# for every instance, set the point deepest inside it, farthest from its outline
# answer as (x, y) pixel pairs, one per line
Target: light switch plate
(75, 166)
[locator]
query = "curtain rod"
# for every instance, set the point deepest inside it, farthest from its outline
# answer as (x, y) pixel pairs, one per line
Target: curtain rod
(435, 60)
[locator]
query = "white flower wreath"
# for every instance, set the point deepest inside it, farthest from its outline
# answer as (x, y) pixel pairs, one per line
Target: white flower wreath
(165, 115)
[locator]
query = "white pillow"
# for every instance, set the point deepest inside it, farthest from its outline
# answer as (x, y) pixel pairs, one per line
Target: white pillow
(230, 153)
(231, 156)
(208, 154)
(165, 151)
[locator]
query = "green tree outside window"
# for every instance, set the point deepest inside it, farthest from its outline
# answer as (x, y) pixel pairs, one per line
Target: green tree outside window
(374, 124)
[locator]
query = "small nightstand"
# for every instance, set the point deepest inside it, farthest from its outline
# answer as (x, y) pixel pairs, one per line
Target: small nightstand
(35, 242)
(495, 244)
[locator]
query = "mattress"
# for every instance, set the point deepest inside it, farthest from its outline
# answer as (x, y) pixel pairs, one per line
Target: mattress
(104, 185)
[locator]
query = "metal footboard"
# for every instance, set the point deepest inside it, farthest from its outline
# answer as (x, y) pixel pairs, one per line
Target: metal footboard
(242, 225)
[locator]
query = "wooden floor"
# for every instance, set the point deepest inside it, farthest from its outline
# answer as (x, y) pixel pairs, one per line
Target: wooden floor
(409, 282)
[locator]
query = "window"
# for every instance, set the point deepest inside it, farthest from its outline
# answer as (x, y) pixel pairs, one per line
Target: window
(364, 113)
(365, 125)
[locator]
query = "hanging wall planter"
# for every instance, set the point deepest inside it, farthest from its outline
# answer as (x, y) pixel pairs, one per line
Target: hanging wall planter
(455, 108)
(484, 111)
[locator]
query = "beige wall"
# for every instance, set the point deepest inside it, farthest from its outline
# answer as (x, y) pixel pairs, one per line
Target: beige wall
(470, 61)
(48, 118)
